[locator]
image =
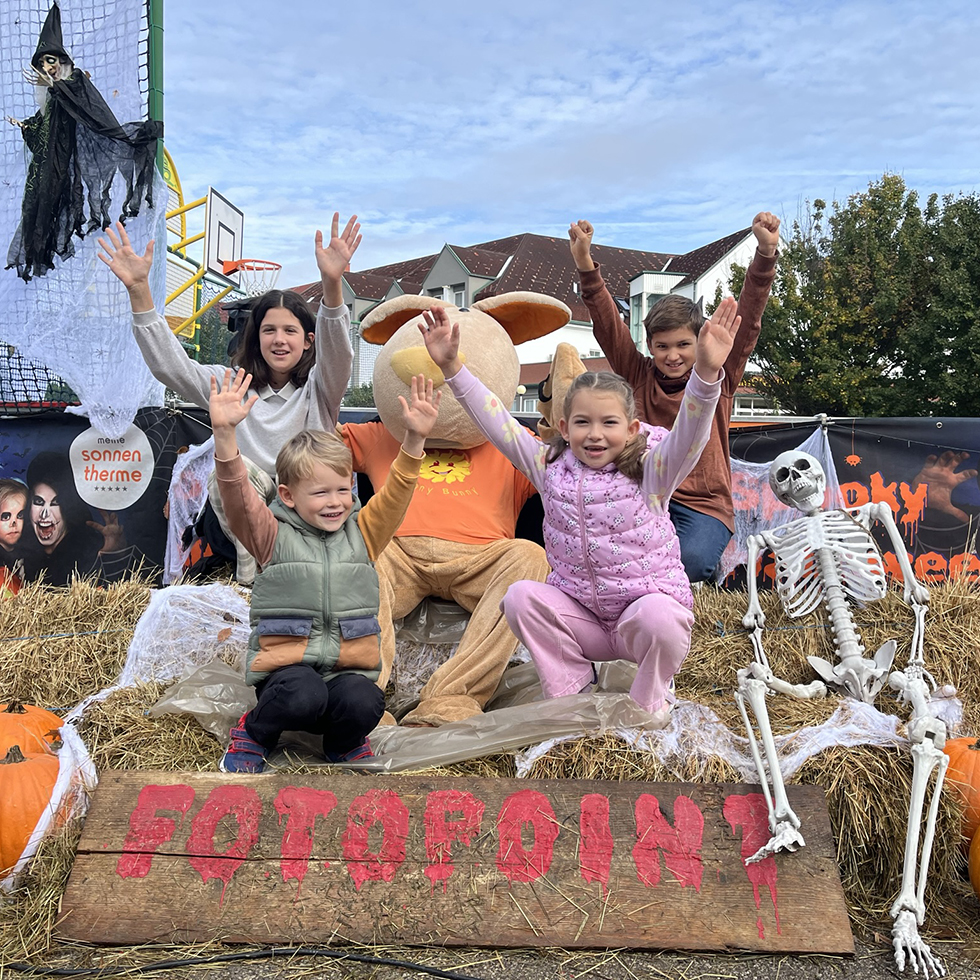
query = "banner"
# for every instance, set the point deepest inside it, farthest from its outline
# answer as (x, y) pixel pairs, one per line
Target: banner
(924, 469)
(73, 500)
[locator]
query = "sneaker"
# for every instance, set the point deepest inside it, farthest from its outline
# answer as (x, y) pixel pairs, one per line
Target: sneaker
(244, 754)
(358, 754)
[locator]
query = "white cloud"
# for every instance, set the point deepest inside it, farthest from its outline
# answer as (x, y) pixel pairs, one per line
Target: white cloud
(669, 125)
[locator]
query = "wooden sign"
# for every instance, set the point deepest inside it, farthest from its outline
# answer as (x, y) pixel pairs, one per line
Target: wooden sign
(199, 857)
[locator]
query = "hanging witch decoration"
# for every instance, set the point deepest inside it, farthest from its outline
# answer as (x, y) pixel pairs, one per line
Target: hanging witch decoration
(77, 147)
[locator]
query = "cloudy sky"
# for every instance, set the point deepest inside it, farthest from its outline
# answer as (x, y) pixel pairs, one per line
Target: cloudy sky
(666, 124)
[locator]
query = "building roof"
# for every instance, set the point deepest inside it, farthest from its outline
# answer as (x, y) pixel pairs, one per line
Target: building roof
(697, 262)
(537, 263)
(481, 261)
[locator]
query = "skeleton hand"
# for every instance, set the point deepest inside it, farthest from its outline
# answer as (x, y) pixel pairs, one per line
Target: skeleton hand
(909, 946)
(785, 838)
(34, 77)
(916, 593)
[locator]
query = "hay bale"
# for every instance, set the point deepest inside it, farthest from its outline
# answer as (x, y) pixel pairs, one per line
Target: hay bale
(867, 788)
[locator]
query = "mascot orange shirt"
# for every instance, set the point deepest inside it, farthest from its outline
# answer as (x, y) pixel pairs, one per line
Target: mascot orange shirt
(457, 540)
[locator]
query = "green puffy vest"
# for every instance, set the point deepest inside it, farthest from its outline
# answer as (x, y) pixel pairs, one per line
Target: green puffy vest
(317, 587)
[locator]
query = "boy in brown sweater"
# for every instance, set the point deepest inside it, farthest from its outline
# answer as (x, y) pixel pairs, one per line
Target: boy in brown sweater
(701, 508)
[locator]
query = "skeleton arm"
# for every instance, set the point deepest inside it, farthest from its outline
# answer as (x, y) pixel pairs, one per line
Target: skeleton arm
(915, 592)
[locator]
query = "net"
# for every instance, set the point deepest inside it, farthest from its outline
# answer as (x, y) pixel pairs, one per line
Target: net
(65, 337)
(255, 276)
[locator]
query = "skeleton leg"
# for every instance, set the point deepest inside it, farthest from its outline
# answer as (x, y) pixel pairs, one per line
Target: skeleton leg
(783, 822)
(928, 736)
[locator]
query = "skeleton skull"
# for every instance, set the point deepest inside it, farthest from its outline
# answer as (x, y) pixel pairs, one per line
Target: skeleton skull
(798, 480)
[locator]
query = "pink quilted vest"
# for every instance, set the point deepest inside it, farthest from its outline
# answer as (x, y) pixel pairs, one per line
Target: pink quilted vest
(605, 545)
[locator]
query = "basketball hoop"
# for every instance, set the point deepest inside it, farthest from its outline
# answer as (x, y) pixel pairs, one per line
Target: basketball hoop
(256, 276)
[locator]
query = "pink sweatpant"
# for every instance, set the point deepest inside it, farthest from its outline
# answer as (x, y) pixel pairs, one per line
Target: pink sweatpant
(565, 638)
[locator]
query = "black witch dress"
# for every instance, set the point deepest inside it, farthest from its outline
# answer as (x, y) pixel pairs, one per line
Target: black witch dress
(77, 147)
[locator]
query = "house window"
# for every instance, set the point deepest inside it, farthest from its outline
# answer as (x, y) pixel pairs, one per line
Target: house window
(459, 294)
(747, 406)
(435, 293)
(594, 353)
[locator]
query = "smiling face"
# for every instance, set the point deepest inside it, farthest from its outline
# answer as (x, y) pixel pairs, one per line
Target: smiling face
(46, 517)
(282, 343)
(673, 351)
(324, 499)
(596, 428)
(12, 509)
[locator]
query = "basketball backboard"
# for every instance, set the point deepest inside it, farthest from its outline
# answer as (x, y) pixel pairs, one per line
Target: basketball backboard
(223, 228)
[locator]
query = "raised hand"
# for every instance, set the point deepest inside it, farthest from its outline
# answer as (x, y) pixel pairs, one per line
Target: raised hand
(113, 535)
(34, 76)
(580, 242)
(226, 404)
(939, 472)
(334, 259)
(420, 411)
(127, 265)
(765, 227)
(441, 338)
(716, 338)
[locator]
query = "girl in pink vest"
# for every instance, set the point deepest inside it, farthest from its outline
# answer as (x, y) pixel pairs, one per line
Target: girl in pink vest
(617, 589)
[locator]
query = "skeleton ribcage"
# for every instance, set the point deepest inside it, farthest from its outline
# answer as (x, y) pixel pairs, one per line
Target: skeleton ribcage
(825, 550)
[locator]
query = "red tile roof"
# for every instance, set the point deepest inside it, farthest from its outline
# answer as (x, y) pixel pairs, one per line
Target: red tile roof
(540, 264)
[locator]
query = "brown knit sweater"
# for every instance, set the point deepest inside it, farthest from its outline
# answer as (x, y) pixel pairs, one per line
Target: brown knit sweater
(709, 488)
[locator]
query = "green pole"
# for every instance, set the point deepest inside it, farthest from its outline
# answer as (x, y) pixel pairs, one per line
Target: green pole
(154, 18)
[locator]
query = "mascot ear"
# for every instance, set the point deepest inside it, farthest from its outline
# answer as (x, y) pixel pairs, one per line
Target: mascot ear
(380, 324)
(566, 366)
(525, 315)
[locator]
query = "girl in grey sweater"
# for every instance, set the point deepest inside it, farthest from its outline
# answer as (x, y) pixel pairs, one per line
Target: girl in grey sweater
(300, 368)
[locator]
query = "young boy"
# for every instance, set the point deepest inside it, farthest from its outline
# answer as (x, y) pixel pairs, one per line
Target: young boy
(314, 653)
(701, 508)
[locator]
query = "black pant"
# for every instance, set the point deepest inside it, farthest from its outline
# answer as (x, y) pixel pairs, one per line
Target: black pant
(343, 708)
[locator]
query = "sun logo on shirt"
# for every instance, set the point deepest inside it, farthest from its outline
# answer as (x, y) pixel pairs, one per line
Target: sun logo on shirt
(445, 466)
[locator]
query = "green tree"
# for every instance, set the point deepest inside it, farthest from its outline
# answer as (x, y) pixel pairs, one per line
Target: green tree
(875, 310)
(361, 396)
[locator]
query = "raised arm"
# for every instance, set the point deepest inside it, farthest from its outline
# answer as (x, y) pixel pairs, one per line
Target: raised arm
(249, 518)
(670, 462)
(489, 414)
(161, 350)
(754, 296)
(611, 333)
(382, 515)
(334, 355)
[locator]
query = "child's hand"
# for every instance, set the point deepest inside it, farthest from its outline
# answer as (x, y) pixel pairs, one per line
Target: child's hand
(765, 227)
(441, 340)
(419, 414)
(716, 338)
(580, 238)
(334, 259)
(225, 403)
(127, 265)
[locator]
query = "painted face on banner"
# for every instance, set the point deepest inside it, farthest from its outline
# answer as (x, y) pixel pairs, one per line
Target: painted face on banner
(46, 518)
(12, 519)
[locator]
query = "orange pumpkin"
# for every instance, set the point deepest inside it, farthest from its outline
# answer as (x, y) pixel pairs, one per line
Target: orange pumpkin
(26, 785)
(33, 729)
(975, 864)
(963, 775)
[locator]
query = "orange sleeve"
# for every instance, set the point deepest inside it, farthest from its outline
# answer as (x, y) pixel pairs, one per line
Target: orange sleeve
(381, 516)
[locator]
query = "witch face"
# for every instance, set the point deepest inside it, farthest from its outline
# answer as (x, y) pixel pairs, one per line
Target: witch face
(53, 66)
(49, 523)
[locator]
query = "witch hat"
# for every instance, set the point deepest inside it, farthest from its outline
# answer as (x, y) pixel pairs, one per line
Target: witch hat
(50, 40)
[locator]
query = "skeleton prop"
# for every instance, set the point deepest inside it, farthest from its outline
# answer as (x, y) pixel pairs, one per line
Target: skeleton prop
(830, 558)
